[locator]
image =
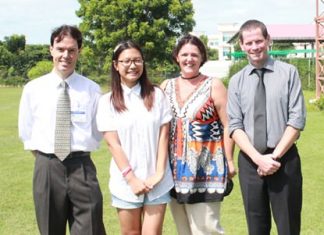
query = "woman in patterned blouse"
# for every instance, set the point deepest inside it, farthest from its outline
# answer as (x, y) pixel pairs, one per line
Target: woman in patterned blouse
(200, 150)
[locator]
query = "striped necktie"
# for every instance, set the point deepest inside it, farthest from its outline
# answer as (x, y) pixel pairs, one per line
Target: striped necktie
(62, 146)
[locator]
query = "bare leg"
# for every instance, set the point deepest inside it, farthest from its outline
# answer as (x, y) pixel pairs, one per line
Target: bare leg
(130, 221)
(153, 219)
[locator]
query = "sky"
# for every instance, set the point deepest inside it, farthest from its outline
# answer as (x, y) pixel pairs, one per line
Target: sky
(37, 18)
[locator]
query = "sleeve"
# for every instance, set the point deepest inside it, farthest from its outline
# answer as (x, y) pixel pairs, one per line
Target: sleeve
(296, 104)
(96, 133)
(25, 118)
(165, 109)
(106, 120)
(234, 111)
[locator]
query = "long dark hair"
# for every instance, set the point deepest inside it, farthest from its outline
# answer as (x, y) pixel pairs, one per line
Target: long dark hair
(147, 88)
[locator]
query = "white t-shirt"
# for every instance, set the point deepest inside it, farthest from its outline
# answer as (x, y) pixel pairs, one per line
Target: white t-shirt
(138, 131)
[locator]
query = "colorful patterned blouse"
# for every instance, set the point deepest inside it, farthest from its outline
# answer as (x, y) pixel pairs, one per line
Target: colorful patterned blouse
(196, 147)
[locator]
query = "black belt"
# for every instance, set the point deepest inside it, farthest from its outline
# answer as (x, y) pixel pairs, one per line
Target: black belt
(71, 155)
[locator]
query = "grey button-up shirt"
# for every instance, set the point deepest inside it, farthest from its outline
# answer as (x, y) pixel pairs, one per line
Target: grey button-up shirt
(285, 100)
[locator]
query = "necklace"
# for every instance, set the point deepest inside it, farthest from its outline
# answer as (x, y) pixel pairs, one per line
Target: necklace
(184, 89)
(191, 77)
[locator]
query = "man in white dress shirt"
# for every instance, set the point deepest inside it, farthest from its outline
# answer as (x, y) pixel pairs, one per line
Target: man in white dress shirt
(65, 188)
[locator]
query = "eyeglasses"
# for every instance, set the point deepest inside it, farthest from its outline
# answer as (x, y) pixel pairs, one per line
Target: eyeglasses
(126, 63)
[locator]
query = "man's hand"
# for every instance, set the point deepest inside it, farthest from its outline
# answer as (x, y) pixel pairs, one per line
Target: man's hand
(267, 165)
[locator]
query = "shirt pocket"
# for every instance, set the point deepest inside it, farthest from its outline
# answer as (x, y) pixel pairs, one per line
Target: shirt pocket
(80, 109)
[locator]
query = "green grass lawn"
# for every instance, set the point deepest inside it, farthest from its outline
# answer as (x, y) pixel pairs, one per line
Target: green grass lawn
(16, 169)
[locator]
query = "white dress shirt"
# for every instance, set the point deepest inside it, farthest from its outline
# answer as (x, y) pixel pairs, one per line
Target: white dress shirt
(37, 113)
(138, 131)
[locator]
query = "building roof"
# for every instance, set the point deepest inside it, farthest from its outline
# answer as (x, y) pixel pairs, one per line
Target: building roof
(288, 33)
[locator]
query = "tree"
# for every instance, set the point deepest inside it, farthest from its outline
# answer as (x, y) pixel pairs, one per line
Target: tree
(37, 53)
(212, 53)
(282, 46)
(41, 68)
(23, 61)
(86, 62)
(5, 56)
(15, 43)
(153, 24)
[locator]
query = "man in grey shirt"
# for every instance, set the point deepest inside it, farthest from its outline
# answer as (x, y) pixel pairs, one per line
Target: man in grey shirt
(270, 177)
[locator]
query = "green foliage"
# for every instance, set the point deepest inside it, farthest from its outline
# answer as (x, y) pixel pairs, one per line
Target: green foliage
(306, 70)
(87, 64)
(226, 81)
(305, 67)
(19, 64)
(37, 53)
(13, 81)
(5, 56)
(3, 72)
(320, 104)
(16, 58)
(11, 71)
(282, 46)
(204, 39)
(28, 58)
(164, 71)
(153, 24)
(15, 43)
(8, 77)
(40, 69)
(103, 79)
(212, 54)
(237, 66)
(237, 46)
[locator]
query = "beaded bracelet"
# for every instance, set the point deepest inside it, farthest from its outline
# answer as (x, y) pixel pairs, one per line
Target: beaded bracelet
(126, 171)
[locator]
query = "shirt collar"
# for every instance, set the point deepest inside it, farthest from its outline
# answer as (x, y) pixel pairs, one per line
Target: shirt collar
(134, 90)
(268, 65)
(57, 79)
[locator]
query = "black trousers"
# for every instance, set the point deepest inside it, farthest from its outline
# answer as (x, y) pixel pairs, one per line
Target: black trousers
(67, 191)
(280, 193)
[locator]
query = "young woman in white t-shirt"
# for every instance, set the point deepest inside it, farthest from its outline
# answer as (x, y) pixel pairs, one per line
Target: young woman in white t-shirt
(134, 118)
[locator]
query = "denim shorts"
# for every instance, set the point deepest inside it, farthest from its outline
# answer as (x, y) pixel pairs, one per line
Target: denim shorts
(119, 203)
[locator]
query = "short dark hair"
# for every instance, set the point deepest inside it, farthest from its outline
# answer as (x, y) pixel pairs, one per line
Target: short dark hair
(253, 24)
(147, 88)
(66, 30)
(190, 39)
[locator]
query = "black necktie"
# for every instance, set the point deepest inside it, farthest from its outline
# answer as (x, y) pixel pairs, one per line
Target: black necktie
(260, 114)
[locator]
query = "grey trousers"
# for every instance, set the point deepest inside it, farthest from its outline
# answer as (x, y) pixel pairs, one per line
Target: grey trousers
(67, 191)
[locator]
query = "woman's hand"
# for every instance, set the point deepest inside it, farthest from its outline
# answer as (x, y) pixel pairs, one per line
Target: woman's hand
(153, 180)
(137, 185)
(231, 169)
